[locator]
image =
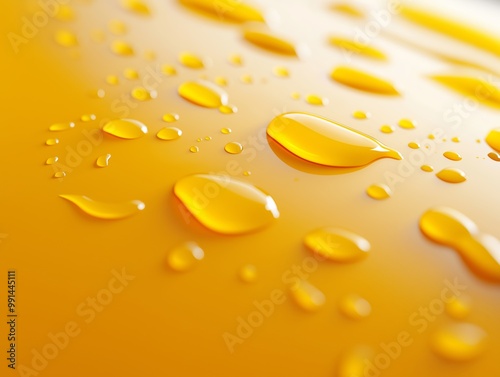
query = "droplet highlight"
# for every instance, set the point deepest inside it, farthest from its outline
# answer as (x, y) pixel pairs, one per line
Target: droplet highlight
(459, 341)
(185, 256)
(379, 191)
(451, 175)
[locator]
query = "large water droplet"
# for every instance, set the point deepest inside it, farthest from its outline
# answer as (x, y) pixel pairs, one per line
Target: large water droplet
(325, 142)
(105, 210)
(451, 175)
(185, 256)
(307, 296)
(203, 93)
(337, 245)
(125, 128)
(406, 124)
(51, 160)
(226, 205)
(357, 79)
(459, 341)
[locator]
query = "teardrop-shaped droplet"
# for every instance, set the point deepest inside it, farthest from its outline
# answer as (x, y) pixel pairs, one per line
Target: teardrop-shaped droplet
(357, 79)
(451, 228)
(226, 205)
(60, 174)
(228, 109)
(230, 10)
(169, 133)
(413, 145)
(379, 191)
(66, 38)
(51, 160)
(225, 131)
(270, 42)
(105, 210)
(142, 94)
(386, 129)
(203, 93)
(51, 142)
(233, 147)
(185, 256)
(427, 168)
(406, 124)
(61, 126)
(355, 306)
(458, 307)
(337, 245)
(136, 6)
(476, 88)
(350, 46)
(248, 273)
(103, 161)
(170, 117)
(314, 99)
(493, 139)
(190, 60)
(125, 128)
(194, 149)
(494, 156)
(122, 48)
(358, 114)
(459, 341)
(451, 175)
(453, 156)
(325, 142)
(307, 296)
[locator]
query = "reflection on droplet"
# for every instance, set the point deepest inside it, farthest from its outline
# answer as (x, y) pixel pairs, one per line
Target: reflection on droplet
(51, 160)
(103, 161)
(185, 256)
(233, 148)
(270, 42)
(363, 49)
(169, 133)
(190, 60)
(88, 117)
(357, 79)
(170, 117)
(459, 307)
(406, 124)
(226, 205)
(337, 245)
(117, 27)
(142, 94)
(131, 73)
(136, 6)
(51, 142)
(454, 156)
(60, 174)
(459, 341)
(427, 168)
(451, 175)
(194, 148)
(481, 252)
(493, 139)
(112, 80)
(203, 93)
(248, 273)
(122, 48)
(105, 210)
(307, 296)
(316, 100)
(413, 145)
(379, 191)
(325, 142)
(281, 71)
(494, 156)
(66, 38)
(168, 70)
(227, 10)
(358, 114)
(386, 129)
(61, 126)
(125, 128)
(225, 131)
(228, 109)
(355, 306)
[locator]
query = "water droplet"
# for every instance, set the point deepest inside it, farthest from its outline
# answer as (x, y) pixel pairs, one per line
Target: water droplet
(270, 42)
(208, 138)
(360, 114)
(88, 117)
(406, 124)
(307, 296)
(480, 252)
(494, 156)
(295, 95)
(431, 137)
(414, 145)
(185, 256)
(117, 27)
(458, 307)
(246, 79)
(236, 59)
(104, 210)
(459, 341)
(233, 148)
(122, 48)
(194, 148)
(137, 6)
(363, 49)
(112, 80)
(451, 175)
(355, 306)
(169, 133)
(325, 142)
(62, 126)
(51, 160)
(142, 94)
(316, 100)
(130, 73)
(248, 273)
(454, 156)
(149, 55)
(170, 117)
(221, 81)
(66, 38)
(225, 131)
(98, 93)
(493, 139)
(455, 139)
(203, 93)
(354, 362)
(226, 10)
(427, 168)
(247, 173)
(348, 10)
(337, 245)
(228, 109)
(190, 60)
(60, 174)
(103, 161)
(168, 70)
(379, 191)
(280, 71)
(51, 142)
(357, 79)
(125, 128)
(65, 13)
(386, 129)
(226, 205)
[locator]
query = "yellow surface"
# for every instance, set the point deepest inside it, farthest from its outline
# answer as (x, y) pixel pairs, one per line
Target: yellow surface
(98, 297)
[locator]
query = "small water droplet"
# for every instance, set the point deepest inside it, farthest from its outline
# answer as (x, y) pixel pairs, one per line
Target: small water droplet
(270, 42)
(122, 48)
(228, 109)
(386, 129)
(358, 114)
(62, 126)
(427, 168)
(66, 38)
(295, 95)
(51, 160)
(221, 81)
(225, 131)
(406, 124)
(431, 137)
(451, 175)
(112, 80)
(233, 148)
(325, 142)
(236, 59)
(60, 174)
(117, 27)
(208, 138)
(142, 94)
(88, 117)
(379, 191)
(454, 156)
(413, 145)
(246, 79)
(227, 10)
(247, 173)
(105, 210)
(459, 341)
(190, 60)
(103, 161)
(494, 156)
(185, 256)
(170, 117)
(248, 273)
(203, 93)
(136, 6)
(307, 296)
(125, 128)
(169, 133)
(360, 80)
(337, 245)
(65, 13)
(226, 205)
(459, 307)
(149, 55)
(98, 36)
(493, 139)
(316, 100)
(130, 73)
(355, 306)
(51, 142)
(455, 139)
(349, 10)
(347, 45)
(281, 71)
(168, 70)
(194, 148)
